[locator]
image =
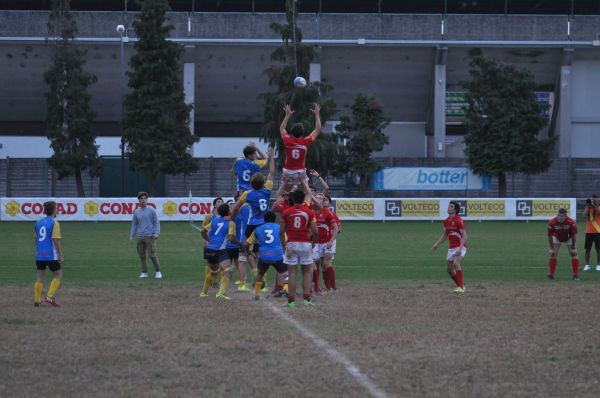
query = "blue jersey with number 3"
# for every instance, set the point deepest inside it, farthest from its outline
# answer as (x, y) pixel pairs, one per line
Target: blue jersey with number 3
(44, 232)
(267, 236)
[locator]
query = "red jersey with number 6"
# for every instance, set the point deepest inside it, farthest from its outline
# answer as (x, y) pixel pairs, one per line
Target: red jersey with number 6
(453, 225)
(563, 231)
(295, 151)
(297, 221)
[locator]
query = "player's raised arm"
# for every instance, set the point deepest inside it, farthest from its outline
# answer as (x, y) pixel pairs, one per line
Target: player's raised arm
(440, 240)
(261, 154)
(288, 114)
(315, 173)
(317, 112)
(271, 164)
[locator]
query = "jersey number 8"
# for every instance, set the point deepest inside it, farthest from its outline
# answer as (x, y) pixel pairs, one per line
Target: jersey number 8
(297, 222)
(262, 204)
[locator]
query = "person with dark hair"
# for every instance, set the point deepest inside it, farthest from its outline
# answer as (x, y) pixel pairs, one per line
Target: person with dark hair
(591, 213)
(296, 145)
(215, 235)
(244, 168)
(48, 254)
(300, 225)
(325, 247)
(146, 226)
(562, 229)
(270, 252)
(455, 231)
(218, 201)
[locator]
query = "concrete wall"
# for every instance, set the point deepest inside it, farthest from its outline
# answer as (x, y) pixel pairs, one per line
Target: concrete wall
(585, 109)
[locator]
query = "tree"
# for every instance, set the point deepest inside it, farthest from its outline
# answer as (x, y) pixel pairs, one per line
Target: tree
(156, 121)
(364, 135)
(294, 59)
(503, 121)
(68, 109)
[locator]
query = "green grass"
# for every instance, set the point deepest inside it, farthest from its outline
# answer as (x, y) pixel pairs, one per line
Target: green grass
(367, 251)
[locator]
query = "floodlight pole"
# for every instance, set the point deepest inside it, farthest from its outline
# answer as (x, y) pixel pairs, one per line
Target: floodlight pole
(122, 124)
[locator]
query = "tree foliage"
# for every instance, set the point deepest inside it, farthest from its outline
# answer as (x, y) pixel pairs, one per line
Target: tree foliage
(157, 118)
(364, 134)
(294, 60)
(503, 121)
(68, 111)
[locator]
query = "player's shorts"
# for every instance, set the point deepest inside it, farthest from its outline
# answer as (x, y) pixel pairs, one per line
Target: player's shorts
(592, 238)
(54, 265)
(213, 256)
(263, 265)
(555, 241)
(249, 230)
(233, 253)
(452, 253)
(293, 176)
(298, 253)
(321, 249)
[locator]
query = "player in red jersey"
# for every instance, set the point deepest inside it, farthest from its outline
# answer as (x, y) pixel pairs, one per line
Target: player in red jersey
(296, 145)
(300, 225)
(454, 230)
(562, 229)
(325, 248)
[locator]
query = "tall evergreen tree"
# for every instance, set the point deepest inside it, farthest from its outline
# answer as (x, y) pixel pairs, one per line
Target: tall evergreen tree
(293, 59)
(364, 134)
(503, 121)
(68, 109)
(157, 118)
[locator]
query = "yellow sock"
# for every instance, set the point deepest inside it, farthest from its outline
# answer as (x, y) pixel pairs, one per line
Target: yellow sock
(53, 287)
(225, 279)
(206, 271)
(254, 272)
(208, 281)
(257, 287)
(38, 286)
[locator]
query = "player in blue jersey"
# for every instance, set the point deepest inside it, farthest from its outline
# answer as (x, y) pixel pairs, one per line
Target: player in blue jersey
(258, 199)
(270, 252)
(215, 234)
(239, 259)
(48, 254)
(245, 168)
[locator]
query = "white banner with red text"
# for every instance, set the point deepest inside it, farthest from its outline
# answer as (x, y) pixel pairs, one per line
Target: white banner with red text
(379, 209)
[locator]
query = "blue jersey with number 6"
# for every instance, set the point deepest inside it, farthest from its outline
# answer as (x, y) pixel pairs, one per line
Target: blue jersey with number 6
(46, 229)
(258, 201)
(267, 236)
(245, 169)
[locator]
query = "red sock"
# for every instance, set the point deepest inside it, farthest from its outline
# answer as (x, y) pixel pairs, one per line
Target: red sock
(454, 278)
(575, 266)
(326, 278)
(307, 297)
(552, 266)
(459, 278)
(332, 277)
(278, 288)
(291, 298)
(316, 278)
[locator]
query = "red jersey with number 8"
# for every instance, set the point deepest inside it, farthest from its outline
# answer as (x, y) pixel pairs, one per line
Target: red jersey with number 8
(297, 221)
(295, 151)
(453, 225)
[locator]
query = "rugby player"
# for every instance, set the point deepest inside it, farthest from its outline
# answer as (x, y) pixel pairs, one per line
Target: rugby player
(48, 254)
(562, 229)
(455, 231)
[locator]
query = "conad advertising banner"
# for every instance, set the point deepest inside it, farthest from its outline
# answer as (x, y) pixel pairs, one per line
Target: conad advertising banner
(429, 178)
(379, 209)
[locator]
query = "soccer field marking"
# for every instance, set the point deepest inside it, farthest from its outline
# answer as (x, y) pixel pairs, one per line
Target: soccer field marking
(334, 354)
(195, 227)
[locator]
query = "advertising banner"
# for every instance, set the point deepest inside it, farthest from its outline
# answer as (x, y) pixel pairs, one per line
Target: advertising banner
(429, 178)
(376, 209)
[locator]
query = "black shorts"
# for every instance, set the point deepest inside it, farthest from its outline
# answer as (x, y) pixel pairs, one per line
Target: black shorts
(263, 266)
(233, 253)
(249, 230)
(592, 238)
(54, 265)
(213, 256)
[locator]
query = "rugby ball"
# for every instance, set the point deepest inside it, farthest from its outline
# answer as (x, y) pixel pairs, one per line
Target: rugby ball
(300, 82)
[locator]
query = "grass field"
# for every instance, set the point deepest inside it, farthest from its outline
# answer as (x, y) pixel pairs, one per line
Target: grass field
(392, 329)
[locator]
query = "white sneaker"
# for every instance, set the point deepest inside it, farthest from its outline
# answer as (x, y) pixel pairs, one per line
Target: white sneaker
(143, 275)
(158, 275)
(597, 267)
(586, 268)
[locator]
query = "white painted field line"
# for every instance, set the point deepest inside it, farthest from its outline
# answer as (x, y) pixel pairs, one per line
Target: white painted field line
(334, 354)
(195, 227)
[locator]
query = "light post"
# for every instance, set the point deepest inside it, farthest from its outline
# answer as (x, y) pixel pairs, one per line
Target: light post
(124, 39)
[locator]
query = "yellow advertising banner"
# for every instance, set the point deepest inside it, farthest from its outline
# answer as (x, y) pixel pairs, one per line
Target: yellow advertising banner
(486, 208)
(549, 207)
(420, 208)
(355, 208)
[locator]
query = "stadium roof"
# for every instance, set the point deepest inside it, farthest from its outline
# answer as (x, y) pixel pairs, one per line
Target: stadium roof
(564, 7)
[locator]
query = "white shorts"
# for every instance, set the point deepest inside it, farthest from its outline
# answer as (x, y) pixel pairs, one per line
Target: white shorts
(557, 242)
(320, 250)
(298, 253)
(293, 176)
(452, 253)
